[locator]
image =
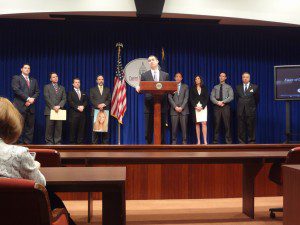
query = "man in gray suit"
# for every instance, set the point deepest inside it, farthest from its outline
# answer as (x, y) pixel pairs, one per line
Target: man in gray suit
(154, 74)
(55, 98)
(221, 96)
(179, 108)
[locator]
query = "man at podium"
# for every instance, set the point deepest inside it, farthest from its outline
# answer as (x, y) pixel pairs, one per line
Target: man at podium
(154, 74)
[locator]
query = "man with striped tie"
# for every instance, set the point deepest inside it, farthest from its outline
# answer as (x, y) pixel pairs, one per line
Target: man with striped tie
(26, 91)
(55, 98)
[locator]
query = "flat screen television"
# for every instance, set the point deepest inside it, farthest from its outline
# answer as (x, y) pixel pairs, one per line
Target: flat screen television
(287, 82)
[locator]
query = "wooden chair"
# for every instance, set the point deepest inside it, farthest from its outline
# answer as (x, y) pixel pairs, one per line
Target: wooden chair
(275, 174)
(26, 202)
(51, 158)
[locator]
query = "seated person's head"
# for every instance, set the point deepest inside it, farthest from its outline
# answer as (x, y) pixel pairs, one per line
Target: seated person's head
(10, 122)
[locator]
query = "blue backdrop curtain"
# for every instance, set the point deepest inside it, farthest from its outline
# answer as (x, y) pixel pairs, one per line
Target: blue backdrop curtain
(85, 49)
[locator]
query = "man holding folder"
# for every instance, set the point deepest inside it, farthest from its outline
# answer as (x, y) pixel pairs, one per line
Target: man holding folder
(55, 98)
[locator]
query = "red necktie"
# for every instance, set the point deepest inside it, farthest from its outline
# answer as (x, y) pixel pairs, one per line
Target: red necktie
(28, 82)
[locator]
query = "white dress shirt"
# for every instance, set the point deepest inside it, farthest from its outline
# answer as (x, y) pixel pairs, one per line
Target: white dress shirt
(16, 162)
(246, 86)
(156, 72)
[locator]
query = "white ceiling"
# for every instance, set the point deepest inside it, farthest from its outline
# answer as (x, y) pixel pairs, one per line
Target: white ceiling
(240, 12)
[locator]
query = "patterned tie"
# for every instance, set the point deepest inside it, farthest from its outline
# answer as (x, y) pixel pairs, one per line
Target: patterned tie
(27, 81)
(78, 93)
(56, 88)
(245, 89)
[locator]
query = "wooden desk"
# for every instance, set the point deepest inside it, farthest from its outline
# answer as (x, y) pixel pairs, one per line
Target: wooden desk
(108, 180)
(291, 194)
(252, 163)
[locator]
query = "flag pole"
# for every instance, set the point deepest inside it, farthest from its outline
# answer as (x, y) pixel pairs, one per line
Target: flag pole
(119, 134)
(119, 45)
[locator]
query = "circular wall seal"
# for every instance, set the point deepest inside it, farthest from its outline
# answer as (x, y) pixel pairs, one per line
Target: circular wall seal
(134, 69)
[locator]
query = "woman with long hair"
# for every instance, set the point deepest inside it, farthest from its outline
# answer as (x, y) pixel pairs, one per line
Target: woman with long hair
(101, 123)
(199, 99)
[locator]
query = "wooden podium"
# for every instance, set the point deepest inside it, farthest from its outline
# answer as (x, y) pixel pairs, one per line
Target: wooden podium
(157, 89)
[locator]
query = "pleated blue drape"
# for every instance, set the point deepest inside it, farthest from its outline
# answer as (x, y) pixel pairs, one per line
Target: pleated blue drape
(85, 49)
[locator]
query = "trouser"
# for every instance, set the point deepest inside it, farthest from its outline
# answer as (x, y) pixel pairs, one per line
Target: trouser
(53, 131)
(222, 113)
(77, 127)
(175, 120)
(246, 126)
(102, 136)
(28, 128)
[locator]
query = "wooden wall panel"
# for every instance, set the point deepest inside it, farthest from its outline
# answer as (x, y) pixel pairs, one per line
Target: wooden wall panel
(187, 182)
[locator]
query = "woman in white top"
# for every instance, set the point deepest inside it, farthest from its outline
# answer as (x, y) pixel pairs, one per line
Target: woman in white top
(16, 161)
(199, 99)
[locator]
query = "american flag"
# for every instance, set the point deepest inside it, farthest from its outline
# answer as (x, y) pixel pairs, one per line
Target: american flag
(118, 101)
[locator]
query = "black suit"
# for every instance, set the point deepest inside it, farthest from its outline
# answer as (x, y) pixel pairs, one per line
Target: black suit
(21, 93)
(53, 127)
(246, 112)
(148, 109)
(76, 118)
(97, 98)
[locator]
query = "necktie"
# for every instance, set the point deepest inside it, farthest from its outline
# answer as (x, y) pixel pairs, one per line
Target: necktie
(101, 89)
(245, 89)
(221, 92)
(178, 89)
(78, 93)
(56, 88)
(154, 75)
(27, 81)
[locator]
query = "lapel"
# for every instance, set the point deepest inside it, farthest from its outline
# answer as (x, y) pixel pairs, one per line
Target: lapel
(53, 89)
(160, 76)
(180, 91)
(97, 87)
(25, 82)
(150, 76)
(248, 90)
(76, 95)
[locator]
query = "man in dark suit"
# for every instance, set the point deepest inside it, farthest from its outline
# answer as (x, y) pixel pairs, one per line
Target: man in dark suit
(154, 74)
(179, 108)
(55, 98)
(77, 100)
(26, 91)
(100, 98)
(248, 97)
(221, 96)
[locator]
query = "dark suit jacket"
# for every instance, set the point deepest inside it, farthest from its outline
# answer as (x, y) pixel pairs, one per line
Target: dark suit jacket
(147, 76)
(180, 100)
(247, 101)
(195, 97)
(52, 98)
(96, 98)
(22, 92)
(74, 101)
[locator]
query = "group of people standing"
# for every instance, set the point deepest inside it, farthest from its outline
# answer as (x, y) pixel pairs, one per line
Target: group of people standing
(26, 91)
(185, 101)
(182, 103)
